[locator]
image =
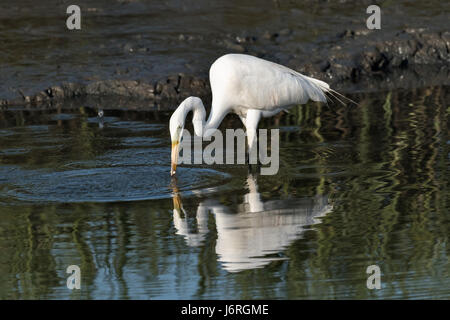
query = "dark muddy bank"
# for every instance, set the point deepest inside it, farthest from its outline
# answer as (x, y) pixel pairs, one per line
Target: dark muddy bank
(158, 54)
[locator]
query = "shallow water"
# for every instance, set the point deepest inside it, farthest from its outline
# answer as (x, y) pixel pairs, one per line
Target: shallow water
(356, 187)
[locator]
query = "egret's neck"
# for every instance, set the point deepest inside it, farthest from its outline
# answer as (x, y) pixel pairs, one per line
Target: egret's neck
(195, 105)
(215, 118)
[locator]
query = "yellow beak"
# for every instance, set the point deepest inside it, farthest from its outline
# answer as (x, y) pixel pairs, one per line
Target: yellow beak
(175, 146)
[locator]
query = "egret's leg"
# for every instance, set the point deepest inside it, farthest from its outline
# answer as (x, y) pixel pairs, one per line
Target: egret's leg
(252, 153)
(243, 120)
(251, 125)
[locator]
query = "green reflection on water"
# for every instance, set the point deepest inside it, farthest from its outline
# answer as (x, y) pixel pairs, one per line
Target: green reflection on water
(382, 166)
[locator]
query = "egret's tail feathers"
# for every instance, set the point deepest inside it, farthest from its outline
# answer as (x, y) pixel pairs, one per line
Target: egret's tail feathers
(335, 95)
(317, 89)
(322, 90)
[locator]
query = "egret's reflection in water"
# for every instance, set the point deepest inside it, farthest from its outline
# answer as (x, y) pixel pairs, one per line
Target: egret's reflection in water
(253, 236)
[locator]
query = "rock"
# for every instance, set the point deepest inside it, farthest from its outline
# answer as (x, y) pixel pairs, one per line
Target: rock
(267, 35)
(40, 98)
(168, 91)
(72, 90)
(245, 39)
(128, 47)
(128, 88)
(285, 32)
(233, 46)
(55, 92)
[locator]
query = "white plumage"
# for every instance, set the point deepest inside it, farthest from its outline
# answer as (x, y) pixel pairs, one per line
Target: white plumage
(243, 81)
(250, 87)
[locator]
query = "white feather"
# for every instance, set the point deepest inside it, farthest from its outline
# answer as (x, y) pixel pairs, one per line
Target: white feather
(249, 82)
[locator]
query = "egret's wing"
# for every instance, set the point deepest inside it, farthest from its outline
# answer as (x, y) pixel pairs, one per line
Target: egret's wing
(275, 86)
(255, 83)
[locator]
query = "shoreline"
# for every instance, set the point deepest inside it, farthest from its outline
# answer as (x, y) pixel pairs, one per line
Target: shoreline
(352, 61)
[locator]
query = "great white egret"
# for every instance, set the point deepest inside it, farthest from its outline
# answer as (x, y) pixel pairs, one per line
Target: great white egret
(250, 87)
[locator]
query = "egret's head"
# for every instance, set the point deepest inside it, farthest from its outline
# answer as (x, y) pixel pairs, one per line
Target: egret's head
(176, 126)
(177, 121)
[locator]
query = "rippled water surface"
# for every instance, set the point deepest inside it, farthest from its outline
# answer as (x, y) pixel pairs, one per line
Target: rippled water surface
(357, 186)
